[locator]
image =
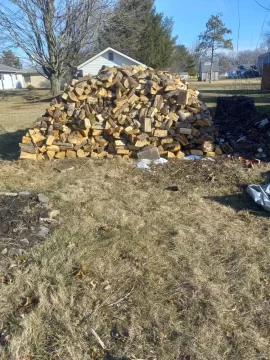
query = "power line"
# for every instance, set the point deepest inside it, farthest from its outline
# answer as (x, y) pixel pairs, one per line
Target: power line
(262, 5)
(268, 9)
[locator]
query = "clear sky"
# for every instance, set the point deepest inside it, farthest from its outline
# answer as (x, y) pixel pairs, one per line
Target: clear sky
(190, 17)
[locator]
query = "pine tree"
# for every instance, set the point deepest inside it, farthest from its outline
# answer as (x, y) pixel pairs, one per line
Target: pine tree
(137, 30)
(124, 30)
(182, 61)
(157, 42)
(10, 59)
(214, 37)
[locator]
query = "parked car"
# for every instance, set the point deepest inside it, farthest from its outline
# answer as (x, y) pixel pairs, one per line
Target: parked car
(251, 73)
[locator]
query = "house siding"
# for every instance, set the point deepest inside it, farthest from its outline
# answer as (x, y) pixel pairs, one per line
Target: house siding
(94, 66)
(38, 81)
(11, 81)
(262, 59)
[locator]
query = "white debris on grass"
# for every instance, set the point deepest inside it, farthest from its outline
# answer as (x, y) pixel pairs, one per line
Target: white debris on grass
(262, 123)
(242, 138)
(261, 195)
(146, 163)
(198, 157)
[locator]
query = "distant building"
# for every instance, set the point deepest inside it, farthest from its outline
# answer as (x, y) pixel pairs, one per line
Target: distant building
(263, 67)
(35, 77)
(10, 78)
(184, 75)
(107, 57)
(262, 59)
(204, 71)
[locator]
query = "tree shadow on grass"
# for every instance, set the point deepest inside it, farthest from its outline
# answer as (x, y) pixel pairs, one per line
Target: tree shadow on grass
(9, 144)
(240, 202)
(46, 100)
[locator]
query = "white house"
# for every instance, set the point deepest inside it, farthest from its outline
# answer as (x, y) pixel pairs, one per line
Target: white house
(10, 78)
(107, 57)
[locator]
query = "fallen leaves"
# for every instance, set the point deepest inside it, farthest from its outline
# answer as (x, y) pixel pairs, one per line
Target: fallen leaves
(80, 272)
(251, 163)
(97, 354)
(3, 279)
(30, 302)
(105, 228)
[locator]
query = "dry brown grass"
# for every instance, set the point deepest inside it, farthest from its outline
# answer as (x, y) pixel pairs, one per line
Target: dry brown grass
(16, 116)
(16, 112)
(188, 271)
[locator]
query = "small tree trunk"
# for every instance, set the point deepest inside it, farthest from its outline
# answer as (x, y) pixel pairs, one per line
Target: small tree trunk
(55, 85)
(211, 67)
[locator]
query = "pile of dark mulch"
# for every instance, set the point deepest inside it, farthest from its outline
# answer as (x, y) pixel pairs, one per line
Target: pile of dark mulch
(21, 223)
(236, 121)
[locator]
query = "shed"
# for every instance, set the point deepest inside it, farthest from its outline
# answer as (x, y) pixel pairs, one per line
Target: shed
(263, 59)
(10, 78)
(184, 75)
(35, 77)
(107, 57)
(204, 71)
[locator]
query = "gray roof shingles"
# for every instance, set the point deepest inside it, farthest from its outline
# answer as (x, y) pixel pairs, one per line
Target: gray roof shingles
(9, 69)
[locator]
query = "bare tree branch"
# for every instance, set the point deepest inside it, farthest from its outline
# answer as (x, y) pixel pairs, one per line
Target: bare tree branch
(52, 32)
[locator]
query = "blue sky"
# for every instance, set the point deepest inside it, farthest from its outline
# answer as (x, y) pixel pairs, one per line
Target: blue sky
(190, 18)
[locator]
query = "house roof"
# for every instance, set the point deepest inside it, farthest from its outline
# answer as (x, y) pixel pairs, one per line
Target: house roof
(205, 67)
(9, 69)
(33, 71)
(103, 52)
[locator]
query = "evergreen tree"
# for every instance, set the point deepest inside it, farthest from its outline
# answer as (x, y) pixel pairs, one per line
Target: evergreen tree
(124, 30)
(137, 30)
(157, 43)
(183, 61)
(10, 59)
(214, 37)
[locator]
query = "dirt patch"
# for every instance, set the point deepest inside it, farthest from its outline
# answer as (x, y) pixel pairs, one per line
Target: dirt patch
(23, 222)
(238, 122)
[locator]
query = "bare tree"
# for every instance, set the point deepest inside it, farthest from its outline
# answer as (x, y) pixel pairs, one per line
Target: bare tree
(199, 54)
(52, 32)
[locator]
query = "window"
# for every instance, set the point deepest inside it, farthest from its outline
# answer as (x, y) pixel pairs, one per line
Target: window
(16, 76)
(111, 56)
(27, 79)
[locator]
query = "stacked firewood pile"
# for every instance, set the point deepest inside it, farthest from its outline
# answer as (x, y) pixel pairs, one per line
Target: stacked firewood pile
(120, 112)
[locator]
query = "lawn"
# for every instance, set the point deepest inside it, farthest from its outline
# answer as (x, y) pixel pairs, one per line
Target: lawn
(229, 87)
(16, 116)
(156, 274)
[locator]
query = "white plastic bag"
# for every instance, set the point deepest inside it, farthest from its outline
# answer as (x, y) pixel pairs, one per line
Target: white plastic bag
(261, 195)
